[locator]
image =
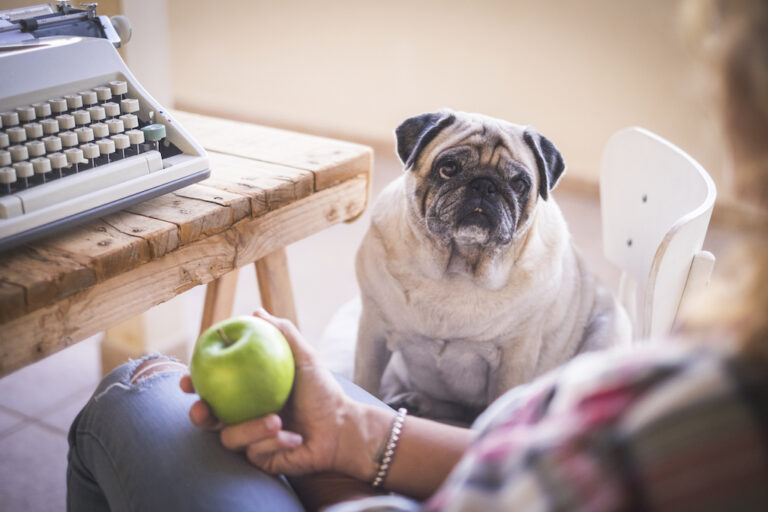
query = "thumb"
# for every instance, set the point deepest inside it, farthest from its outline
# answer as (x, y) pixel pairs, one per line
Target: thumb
(303, 352)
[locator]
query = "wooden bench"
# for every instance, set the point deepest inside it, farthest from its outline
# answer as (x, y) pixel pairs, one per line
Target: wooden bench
(268, 188)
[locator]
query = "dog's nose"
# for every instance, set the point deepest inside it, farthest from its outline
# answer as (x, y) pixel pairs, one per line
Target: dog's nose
(483, 186)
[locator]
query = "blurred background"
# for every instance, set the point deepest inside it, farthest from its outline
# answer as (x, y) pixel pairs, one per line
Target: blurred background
(578, 71)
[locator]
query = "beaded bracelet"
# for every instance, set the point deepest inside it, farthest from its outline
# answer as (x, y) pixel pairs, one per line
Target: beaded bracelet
(385, 460)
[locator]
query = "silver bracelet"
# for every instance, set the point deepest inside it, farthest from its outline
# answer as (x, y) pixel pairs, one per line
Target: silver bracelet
(385, 460)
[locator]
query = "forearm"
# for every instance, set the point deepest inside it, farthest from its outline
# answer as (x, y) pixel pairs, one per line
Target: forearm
(426, 452)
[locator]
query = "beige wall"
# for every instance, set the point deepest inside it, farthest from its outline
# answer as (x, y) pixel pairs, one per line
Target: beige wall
(576, 70)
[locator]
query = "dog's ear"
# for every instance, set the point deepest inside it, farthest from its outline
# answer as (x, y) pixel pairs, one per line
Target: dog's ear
(416, 132)
(548, 160)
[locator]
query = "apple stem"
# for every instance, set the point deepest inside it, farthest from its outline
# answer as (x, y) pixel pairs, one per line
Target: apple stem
(223, 336)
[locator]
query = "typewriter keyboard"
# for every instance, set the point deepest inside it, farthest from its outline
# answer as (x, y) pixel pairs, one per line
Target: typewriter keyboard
(56, 150)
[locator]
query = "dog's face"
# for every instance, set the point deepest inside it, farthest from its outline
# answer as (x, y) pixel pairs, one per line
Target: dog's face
(475, 180)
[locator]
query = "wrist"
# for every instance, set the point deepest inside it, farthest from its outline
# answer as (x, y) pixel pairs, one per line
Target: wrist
(364, 431)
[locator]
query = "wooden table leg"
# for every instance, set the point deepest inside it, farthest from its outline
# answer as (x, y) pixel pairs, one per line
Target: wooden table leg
(275, 285)
(159, 330)
(219, 297)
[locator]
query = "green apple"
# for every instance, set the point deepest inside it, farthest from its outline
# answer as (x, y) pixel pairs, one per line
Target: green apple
(243, 369)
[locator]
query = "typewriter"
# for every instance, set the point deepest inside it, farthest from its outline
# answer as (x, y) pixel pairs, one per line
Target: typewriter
(79, 137)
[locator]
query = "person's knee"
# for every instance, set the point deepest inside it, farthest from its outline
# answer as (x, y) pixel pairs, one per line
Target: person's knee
(154, 366)
(136, 375)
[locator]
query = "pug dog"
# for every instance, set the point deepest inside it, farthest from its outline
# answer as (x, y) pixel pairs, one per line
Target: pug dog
(470, 283)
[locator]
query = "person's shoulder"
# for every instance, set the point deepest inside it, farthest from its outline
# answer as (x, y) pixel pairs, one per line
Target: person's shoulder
(700, 435)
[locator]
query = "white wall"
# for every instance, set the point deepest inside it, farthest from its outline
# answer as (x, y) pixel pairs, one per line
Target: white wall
(576, 70)
(147, 53)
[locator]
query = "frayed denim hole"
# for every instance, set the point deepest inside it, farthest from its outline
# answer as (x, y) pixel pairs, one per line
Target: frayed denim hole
(126, 382)
(149, 373)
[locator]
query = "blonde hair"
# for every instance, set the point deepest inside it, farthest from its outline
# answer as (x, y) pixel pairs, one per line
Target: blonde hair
(732, 36)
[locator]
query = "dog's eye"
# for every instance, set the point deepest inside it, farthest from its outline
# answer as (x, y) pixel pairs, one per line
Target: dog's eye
(448, 169)
(519, 184)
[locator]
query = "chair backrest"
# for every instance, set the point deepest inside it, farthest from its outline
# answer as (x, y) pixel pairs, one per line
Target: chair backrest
(656, 202)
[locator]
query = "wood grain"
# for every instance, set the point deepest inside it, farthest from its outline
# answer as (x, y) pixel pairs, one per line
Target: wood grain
(219, 298)
(239, 205)
(13, 300)
(268, 185)
(43, 275)
(275, 285)
(331, 161)
(162, 236)
(100, 247)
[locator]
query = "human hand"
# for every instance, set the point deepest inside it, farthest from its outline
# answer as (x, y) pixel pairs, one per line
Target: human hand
(307, 435)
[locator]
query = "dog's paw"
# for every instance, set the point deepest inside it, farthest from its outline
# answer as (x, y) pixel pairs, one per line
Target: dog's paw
(425, 407)
(416, 403)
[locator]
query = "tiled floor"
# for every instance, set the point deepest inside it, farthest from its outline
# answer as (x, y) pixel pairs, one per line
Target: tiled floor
(38, 403)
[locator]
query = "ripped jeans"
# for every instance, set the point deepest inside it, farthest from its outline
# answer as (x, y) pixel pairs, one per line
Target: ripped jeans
(133, 448)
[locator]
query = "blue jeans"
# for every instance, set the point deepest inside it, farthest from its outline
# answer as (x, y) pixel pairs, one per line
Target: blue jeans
(133, 447)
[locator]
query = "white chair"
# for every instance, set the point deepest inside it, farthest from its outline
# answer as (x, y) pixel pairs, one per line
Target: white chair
(656, 202)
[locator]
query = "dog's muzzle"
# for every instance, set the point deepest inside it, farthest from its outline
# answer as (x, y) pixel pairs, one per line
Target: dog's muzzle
(481, 205)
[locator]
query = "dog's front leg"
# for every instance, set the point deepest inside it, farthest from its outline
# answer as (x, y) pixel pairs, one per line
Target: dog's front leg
(517, 365)
(371, 353)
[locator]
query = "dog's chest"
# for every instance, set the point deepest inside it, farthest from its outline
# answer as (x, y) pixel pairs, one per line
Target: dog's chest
(453, 370)
(458, 310)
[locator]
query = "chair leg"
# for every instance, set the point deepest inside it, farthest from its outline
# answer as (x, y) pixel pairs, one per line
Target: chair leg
(627, 297)
(219, 297)
(698, 276)
(275, 285)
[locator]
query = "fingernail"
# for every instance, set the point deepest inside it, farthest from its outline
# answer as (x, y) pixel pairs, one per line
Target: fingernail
(273, 422)
(294, 440)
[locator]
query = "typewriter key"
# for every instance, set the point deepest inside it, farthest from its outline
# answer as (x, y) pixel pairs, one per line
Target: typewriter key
(42, 165)
(34, 130)
(68, 139)
(100, 130)
(103, 93)
(52, 143)
(89, 97)
(26, 113)
(35, 148)
(7, 178)
(18, 153)
(84, 134)
(119, 88)
(97, 113)
(42, 110)
(66, 121)
(82, 117)
(74, 157)
(58, 161)
(106, 147)
(74, 101)
(24, 170)
(91, 152)
(17, 134)
(50, 126)
(129, 105)
(58, 105)
(121, 142)
(111, 109)
(130, 121)
(10, 118)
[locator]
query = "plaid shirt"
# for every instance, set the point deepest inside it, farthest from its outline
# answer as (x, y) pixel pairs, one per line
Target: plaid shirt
(646, 428)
